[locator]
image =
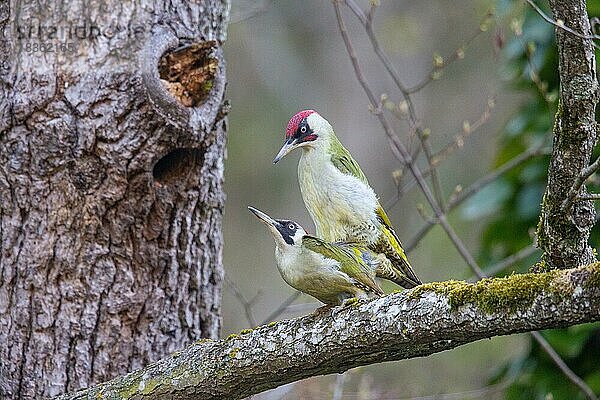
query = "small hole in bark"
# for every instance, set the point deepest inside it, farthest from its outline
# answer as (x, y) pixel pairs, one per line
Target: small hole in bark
(189, 72)
(175, 165)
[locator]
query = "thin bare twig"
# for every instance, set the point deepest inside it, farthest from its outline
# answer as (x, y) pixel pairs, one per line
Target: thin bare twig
(561, 25)
(535, 78)
(248, 305)
(589, 196)
(479, 184)
(282, 307)
(468, 129)
(563, 366)
(367, 22)
(594, 180)
(435, 180)
(400, 151)
(511, 260)
(442, 154)
(534, 75)
(458, 54)
(574, 191)
(495, 174)
(457, 143)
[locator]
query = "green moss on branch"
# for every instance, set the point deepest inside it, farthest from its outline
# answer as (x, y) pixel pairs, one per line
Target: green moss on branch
(497, 294)
(594, 279)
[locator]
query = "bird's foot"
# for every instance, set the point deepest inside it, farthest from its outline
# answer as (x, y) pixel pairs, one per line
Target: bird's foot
(322, 310)
(352, 301)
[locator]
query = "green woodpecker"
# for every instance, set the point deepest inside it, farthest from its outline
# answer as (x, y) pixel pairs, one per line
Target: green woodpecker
(338, 197)
(330, 272)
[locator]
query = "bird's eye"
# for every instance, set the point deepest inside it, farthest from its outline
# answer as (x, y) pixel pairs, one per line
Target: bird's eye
(291, 227)
(303, 129)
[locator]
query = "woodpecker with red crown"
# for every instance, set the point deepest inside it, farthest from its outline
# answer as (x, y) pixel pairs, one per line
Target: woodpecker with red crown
(338, 197)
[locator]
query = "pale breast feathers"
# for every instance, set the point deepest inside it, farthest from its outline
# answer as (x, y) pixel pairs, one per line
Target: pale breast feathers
(336, 201)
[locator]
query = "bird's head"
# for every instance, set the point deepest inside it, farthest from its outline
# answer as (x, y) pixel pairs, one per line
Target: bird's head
(308, 130)
(286, 233)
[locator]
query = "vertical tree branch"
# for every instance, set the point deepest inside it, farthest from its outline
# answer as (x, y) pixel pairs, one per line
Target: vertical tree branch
(564, 227)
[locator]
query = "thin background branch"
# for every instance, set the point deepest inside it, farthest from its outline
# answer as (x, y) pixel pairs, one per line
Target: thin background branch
(561, 24)
(248, 305)
(585, 174)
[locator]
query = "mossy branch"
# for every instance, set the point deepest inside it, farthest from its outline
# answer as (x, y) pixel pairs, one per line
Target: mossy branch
(428, 319)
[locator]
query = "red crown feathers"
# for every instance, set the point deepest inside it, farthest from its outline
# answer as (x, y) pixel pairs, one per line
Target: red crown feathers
(295, 121)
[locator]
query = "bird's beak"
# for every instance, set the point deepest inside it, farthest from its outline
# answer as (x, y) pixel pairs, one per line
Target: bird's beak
(270, 222)
(288, 146)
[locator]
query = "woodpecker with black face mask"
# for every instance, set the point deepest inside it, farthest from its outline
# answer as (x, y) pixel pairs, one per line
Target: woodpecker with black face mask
(330, 272)
(338, 197)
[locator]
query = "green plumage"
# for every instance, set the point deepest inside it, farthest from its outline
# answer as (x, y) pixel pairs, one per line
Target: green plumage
(354, 260)
(343, 161)
(330, 272)
(387, 243)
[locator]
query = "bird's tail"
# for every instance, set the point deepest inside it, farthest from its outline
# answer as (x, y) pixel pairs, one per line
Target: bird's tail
(398, 271)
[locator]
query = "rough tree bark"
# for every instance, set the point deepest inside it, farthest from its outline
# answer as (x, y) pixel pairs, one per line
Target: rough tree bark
(110, 187)
(565, 223)
(428, 319)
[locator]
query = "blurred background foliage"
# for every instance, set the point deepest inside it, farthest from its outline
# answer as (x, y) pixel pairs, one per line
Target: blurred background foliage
(531, 59)
(285, 55)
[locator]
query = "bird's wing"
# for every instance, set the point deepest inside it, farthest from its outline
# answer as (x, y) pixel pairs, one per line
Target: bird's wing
(342, 160)
(368, 256)
(350, 259)
(396, 253)
(389, 232)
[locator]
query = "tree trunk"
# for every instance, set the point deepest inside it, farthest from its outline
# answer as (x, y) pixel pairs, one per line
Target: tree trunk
(110, 187)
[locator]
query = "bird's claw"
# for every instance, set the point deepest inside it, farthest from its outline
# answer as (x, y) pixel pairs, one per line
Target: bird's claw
(352, 301)
(322, 310)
